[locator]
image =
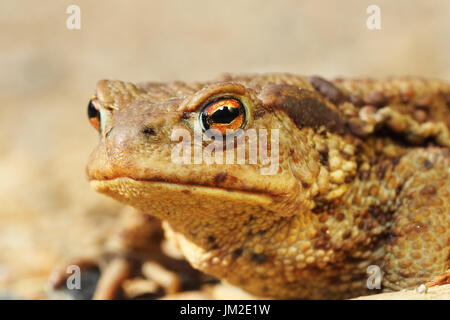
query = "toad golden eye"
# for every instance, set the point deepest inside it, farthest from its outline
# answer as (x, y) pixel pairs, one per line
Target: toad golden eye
(223, 114)
(93, 115)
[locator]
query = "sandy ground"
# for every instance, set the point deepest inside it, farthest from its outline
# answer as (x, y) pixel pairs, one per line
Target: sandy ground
(434, 293)
(48, 212)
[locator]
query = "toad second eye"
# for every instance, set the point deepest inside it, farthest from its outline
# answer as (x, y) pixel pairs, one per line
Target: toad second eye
(93, 115)
(225, 115)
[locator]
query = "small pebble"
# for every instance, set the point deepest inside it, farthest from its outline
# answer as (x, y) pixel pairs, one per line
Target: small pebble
(422, 289)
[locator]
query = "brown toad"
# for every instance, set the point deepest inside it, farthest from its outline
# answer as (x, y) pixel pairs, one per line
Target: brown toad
(361, 177)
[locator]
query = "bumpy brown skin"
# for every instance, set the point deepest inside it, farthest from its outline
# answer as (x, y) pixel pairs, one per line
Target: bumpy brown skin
(363, 180)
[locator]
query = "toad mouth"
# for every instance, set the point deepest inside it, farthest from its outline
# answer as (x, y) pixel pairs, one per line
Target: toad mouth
(108, 185)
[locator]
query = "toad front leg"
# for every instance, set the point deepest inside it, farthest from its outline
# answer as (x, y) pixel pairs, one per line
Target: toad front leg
(132, 264)
(137, 237)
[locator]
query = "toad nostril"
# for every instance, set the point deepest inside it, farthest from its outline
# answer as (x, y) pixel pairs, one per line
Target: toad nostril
(148, 131)
(109, 131)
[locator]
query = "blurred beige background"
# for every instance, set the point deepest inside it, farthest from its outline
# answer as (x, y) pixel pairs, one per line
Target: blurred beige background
(47, 210)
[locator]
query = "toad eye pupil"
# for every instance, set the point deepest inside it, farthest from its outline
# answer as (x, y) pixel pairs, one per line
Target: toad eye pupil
(224, 115)
(92, 111)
